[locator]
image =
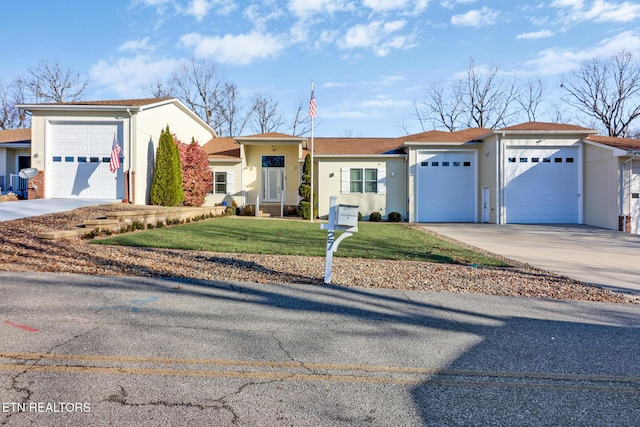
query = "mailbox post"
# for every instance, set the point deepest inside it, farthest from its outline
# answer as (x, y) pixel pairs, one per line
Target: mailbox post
(341, 218)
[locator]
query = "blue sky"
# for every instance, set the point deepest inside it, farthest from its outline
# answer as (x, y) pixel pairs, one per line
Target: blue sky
(369, 59)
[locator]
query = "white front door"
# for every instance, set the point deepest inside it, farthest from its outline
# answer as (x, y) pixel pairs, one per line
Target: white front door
(272, 180)
(486, 200)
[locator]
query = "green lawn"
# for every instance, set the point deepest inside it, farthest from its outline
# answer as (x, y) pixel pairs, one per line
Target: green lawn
(246, 235)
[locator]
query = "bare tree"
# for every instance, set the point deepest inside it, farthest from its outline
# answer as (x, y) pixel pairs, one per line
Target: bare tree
(160, 89)
(487, 98)
(266, 117)
(442, 107)
(229, 118)
(607, 91)
(50, 82)
(12, 117)
(301, 120)
(530, 96)
(481, 99)
(197, 84)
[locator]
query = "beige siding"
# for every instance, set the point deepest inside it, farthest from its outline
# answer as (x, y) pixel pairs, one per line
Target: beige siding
(253, 171)
(393, 200)
(148, 124)
(601, 187)
(234, 187)
(487, 177)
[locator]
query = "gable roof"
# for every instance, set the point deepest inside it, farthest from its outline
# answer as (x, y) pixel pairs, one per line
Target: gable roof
(222, 149)
(548, 127)
(627, 144)
(15, 136)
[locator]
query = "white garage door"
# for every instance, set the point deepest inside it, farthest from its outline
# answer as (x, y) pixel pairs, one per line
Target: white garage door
(79, 161)
(445, 187)
(541, 185)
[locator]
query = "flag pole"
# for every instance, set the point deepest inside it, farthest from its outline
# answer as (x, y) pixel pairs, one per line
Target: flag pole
(312, 114)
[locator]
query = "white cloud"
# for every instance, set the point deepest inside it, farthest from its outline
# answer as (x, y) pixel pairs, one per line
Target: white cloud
(599, 10)
(558, 61)
(450, 4)
(127, 77)
(199, 9)
(136, 45)
(475, 18)
(240, 49)
(306, 8)
(535, 35)
(377, 36)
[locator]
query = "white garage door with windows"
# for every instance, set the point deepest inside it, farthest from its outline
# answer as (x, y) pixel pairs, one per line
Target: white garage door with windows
(78, 163)
(446, 186)
(542, 185)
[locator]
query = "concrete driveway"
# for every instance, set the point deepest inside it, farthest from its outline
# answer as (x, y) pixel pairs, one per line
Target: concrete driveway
(26, 208)
(606, 258)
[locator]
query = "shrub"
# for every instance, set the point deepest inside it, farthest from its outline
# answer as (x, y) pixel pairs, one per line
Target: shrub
(303, 209)
(197, 178)
(359, 216)
(304, 206)
(230, 210)
(395, 217)
(166, 187)
(375, 217)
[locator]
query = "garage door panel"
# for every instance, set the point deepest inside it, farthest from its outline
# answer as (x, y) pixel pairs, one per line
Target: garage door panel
(445, 187)
(541, 185)
(77, 165)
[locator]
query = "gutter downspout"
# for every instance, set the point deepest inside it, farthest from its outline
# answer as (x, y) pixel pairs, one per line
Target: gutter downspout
(499, 219)
(130, 180)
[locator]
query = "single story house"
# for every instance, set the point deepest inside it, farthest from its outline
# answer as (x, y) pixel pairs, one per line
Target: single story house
(529, 173)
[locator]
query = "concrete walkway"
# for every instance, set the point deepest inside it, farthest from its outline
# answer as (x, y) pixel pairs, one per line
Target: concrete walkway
(602, 257)
(26, 208)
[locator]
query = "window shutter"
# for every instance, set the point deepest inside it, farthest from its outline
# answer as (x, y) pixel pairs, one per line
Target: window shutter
(345, 186)
(382, 181)
(213, 182)
(230, 183)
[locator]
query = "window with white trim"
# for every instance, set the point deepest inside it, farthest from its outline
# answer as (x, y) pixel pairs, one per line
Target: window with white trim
(363, 180)
(220, 183)
(223, 182)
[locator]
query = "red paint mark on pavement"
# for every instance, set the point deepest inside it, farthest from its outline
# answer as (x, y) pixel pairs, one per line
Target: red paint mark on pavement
(25, 327)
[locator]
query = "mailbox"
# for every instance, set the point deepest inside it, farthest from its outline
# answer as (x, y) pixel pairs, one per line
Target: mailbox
(347, 215)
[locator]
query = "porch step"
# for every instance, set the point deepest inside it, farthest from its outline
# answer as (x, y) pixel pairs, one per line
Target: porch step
(269, 210)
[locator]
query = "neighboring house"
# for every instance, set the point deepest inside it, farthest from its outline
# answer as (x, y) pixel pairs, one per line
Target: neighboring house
(71, 145)
(15, 154)
(529, 173)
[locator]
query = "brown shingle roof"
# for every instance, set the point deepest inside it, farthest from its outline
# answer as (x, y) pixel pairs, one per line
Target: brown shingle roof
(628, 144)
(464, 135)
(347, 146)
(15, 135)
(544, 126)
(115, 102)
(222, 148)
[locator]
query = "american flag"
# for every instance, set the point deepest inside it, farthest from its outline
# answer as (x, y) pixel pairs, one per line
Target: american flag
(114, 163)
(312, 104)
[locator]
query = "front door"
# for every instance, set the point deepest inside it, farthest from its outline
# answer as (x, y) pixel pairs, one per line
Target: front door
(485, 204)
(272, 184)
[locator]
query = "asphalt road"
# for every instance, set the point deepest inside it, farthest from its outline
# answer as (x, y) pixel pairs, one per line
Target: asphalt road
(86, 350)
